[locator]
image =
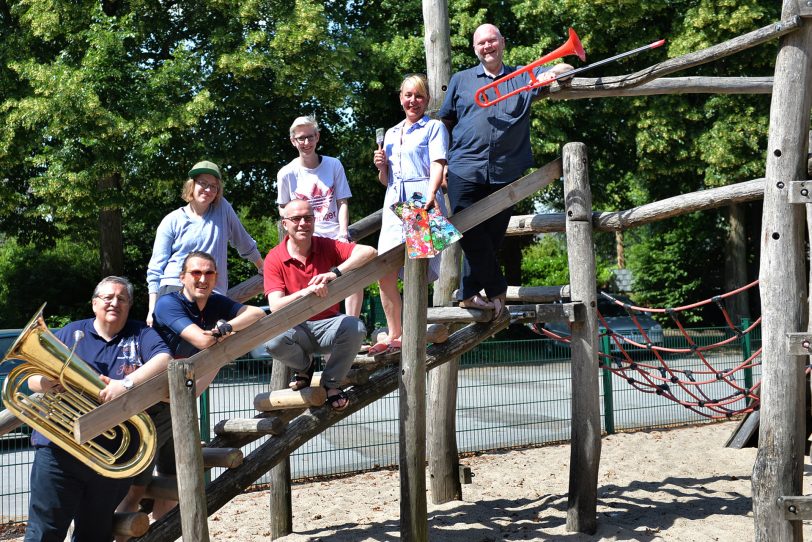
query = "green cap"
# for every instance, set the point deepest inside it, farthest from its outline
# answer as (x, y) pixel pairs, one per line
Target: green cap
(205, 167)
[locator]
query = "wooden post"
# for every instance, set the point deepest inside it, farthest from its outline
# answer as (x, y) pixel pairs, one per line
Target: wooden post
(280, 493)
(414, 525)
(778, 469)
(188, 454)
(585, 444)
(442, 382)
(444, 468)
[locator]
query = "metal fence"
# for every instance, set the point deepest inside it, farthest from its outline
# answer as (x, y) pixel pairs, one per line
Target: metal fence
(511, 393)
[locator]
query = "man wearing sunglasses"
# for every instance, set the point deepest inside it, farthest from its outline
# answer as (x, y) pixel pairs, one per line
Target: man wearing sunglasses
(300, 265)
(189, 321)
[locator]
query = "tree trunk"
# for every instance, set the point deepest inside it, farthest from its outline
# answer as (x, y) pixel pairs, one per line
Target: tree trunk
(111, 245)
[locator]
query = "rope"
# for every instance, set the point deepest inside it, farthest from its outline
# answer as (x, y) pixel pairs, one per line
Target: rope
(666, 376)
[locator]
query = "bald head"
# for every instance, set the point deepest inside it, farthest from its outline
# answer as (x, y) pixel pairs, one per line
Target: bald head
(489, 47)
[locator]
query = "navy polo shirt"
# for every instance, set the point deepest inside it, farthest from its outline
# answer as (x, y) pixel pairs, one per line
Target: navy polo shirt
(489, 145)
(173, 313)
(128, 350)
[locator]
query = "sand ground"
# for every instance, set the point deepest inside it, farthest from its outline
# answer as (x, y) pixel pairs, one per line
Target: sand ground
(675, 485)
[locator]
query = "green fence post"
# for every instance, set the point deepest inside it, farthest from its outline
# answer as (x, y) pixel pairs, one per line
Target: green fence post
(608, 403)
(747, 351)
(205, 424)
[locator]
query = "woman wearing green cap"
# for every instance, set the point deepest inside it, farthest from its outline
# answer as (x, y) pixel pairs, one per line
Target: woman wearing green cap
(207, 223)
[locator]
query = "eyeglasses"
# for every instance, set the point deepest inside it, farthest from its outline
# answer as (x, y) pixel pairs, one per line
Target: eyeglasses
(296, 219)
(214, 187)
(306, 138)
(108, 299)
(197, 273)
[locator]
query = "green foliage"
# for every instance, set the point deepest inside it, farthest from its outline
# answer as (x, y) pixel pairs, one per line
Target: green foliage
(545, 263)
(30, 277)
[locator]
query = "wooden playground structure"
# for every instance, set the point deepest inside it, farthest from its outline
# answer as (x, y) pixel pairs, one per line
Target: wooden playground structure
(289, 419)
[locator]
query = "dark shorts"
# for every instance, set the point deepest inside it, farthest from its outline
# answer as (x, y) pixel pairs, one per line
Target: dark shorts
(165, 447)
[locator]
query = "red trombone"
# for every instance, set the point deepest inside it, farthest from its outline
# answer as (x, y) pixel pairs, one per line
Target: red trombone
(571, 47)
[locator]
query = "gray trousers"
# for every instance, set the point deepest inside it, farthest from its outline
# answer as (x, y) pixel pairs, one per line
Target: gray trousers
(340, 336)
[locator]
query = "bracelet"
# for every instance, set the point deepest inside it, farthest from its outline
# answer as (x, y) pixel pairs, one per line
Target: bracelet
(336, 271)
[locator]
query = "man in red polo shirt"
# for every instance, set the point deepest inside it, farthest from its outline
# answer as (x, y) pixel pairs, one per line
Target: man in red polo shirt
(298, 266)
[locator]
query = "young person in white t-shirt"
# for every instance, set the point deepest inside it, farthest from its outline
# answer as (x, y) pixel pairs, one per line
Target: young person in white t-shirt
(321, 181)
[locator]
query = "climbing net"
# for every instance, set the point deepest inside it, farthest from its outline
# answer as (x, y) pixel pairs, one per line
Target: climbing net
(683, 374)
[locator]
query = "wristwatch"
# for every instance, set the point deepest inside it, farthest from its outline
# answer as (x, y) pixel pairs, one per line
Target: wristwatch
(127, 382)
(336, 271)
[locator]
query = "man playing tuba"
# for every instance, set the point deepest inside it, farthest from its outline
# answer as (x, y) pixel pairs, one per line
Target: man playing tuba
(124, 353)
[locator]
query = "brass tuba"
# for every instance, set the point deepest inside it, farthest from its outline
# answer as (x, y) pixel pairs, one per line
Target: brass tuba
(120, 452)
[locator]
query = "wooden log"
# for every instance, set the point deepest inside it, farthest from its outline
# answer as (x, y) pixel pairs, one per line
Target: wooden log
(284, 399)
(697, 58)
(188, 455)
(258, 426)
(552, 312)
(130, 523)
(585, 446)
(441, 425)
(227, 458)
(276, 448)
(280, 496)
(452, 315)
(528, 294)
(414, 525)
(591, 87)
(210, 360)
(778, 469)
(162, 487)
(437, 333)
(701, 200)
(796, 508)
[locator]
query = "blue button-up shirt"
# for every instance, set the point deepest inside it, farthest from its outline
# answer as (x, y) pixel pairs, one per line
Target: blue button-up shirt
(489, 145)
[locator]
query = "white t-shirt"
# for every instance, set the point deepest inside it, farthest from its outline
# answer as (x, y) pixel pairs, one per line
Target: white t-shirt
(321, 186)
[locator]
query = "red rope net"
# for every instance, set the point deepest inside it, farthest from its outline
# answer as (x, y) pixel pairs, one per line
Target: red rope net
(682, 374)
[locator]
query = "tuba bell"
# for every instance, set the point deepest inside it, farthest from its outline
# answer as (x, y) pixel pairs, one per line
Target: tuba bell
(120, 452)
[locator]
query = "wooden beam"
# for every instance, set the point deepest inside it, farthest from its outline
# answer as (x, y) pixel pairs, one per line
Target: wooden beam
(585, 442)
(779, 465)
(130, 524)
(188, 455)
(210, 360)
(286, 399)
(796, 508)
(227, 458)
(271, 425)
(549, 312)
(414, 526)
(450, 315)
(684, 62)
(701, 200)
(800, 192)
(593, 87)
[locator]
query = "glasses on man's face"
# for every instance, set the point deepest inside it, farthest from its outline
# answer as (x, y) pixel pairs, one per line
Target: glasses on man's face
(197, 273)
(108, 299)
(214, 187)
(305, 138)
(308, 219)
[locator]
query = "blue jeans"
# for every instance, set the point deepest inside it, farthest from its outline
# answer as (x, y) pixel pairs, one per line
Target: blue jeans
(340, 336)
(481, 244)
(65, 490)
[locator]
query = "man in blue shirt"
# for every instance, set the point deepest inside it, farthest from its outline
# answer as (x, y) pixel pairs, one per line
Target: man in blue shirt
(190, 320)
(125, 353)
(490, 147)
